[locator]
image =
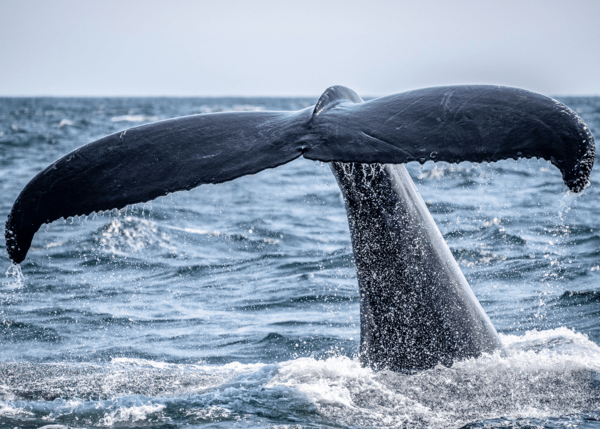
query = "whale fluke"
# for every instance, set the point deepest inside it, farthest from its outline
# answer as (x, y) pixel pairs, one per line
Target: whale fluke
(478, 123)
(452, 124)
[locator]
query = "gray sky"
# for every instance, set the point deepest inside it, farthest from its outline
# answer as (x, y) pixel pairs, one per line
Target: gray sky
(212, 48)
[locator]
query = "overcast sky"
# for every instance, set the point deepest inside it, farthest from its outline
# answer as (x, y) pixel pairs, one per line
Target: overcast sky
(221, 47)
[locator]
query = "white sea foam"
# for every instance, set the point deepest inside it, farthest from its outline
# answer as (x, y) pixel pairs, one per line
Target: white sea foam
(134, 118)
(131, 414)
(54, 427)
(14, 277)
(543, 374)
(65, 122)
(194, 230)
(8, 410)
(233, 367)
(129, 234)
(235, 108)
(247, 108)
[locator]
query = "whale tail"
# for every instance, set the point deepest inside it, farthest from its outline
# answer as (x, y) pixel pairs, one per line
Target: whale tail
(416, 308)
(452, 124)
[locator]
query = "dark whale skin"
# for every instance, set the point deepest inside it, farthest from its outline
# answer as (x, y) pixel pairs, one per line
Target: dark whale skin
(417, 310)
(453, 124)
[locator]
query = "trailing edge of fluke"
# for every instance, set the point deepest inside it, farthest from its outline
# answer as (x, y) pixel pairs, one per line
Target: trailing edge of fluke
(452, 124)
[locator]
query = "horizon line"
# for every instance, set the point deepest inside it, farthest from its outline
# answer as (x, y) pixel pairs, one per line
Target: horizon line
(231, 96)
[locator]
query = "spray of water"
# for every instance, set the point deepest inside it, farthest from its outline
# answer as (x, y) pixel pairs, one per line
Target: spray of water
(14, 277)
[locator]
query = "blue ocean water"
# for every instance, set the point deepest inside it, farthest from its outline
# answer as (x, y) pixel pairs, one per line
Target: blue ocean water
(236, 305)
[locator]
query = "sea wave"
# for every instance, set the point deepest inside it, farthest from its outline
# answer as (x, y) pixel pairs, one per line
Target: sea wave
(134, 118)
(540, 375)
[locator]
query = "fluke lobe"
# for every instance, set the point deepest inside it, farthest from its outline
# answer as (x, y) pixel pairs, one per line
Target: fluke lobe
(417, 309)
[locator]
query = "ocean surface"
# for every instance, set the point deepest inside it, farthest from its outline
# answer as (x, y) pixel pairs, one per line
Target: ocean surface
(236, 305)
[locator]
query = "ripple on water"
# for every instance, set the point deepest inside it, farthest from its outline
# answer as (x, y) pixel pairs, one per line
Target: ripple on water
(543, 375)
(237, 304)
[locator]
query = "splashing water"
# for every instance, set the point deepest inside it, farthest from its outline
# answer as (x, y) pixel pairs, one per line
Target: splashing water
(152, 318)
(14, 276)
